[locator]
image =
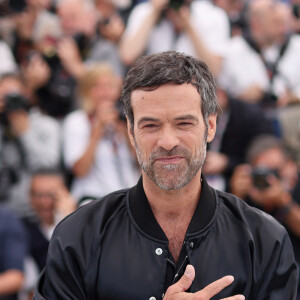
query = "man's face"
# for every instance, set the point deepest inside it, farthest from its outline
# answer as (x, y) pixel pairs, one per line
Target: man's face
(71, 14)
(169, 134)
(106, 89)
(43, 197)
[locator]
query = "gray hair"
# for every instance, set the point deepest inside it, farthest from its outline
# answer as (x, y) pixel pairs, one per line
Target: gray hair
(262, 143)
(151, 71)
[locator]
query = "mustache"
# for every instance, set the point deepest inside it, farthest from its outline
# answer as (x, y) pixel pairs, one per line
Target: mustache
(176, 151)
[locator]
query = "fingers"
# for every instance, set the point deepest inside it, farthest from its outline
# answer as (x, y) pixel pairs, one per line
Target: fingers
(236, 297)
(177, 290)
(184, 283)
(216, 287)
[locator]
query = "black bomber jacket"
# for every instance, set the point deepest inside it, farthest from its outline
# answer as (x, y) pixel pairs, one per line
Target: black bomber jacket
(114, 249)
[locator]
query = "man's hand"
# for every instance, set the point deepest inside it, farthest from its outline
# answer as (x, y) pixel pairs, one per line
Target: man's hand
(215, 163)
(65, 203)
(69, 55)
(159, 5)
(241, 181)
(178, 290)
(37, 73)
(253, 94)
(105, 115)
(19, 122)
(114, 29)
(274, 196)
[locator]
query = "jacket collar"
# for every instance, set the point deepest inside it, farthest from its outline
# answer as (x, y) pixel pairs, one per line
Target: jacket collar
(144, 217)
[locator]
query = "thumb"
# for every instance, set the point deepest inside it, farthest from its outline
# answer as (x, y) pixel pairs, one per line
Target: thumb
(186, 280)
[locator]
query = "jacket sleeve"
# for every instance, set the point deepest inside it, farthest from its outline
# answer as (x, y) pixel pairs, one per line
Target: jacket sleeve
(62, 278)
(279, 278)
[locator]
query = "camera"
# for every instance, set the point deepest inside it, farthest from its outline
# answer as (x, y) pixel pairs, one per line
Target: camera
(296, 11)
(15, 102)
(260, 177)
(50, 54)
(8, 7)
(176, 4)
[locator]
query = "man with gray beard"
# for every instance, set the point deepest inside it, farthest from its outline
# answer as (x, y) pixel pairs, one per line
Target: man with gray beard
(171, 236)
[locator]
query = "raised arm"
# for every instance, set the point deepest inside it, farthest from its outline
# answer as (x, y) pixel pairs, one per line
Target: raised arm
(140, 25)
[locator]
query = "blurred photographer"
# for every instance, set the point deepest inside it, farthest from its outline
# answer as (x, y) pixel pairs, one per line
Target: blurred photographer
(271, 183)
(269, 52)
(296, 15)
(95, 142)
(62, 56)
(28, 141)
(235, 10)
(50, 201)
(197, 28)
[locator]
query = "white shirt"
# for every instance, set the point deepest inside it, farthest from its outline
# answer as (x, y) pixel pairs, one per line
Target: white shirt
(111, 170)
(7, 61)
(210, 22)
(243, 67)
(289, 67)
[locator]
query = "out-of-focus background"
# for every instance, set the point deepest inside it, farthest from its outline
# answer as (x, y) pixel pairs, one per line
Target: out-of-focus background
(63, 134)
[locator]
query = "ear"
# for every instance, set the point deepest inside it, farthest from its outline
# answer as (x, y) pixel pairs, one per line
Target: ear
(212, 126)
(130, 133)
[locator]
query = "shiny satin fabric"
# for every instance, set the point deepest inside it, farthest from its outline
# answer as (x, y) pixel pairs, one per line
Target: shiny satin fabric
(101, 252)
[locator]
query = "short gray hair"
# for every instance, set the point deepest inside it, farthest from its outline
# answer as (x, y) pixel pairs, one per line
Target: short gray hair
(151, 71)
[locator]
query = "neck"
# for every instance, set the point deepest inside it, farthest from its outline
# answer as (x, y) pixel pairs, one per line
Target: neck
(175, 203)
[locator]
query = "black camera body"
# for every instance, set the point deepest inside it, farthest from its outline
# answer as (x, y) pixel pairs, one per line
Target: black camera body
(296, 11)
(10, 7)
(176, 4)
(15, 102)
(260, 177)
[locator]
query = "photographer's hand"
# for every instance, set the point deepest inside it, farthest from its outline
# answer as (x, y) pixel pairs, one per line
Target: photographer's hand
(114, 29)
(215, 163)
(103, 115)
(106, 115)
(134, 44)
(36, 73)
(69, 55)
(213, 60)
(253, 94)
(241, 181)
(159, 5)
(65, 203)
(274, 196)
(19, 122)
(178, 290)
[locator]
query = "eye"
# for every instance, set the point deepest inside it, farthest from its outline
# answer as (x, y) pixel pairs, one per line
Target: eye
(146, 126)
(185, 124)
(150, 126)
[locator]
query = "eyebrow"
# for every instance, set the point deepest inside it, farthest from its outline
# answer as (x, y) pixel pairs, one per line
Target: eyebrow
(186, 117)
(147, 119)
(180, 118)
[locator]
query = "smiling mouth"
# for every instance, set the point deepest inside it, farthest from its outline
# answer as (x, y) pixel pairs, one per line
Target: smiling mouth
(169, 159)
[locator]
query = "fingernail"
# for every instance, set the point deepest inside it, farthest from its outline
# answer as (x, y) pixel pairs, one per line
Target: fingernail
(231, 278)
(188, 270)
(242, 297)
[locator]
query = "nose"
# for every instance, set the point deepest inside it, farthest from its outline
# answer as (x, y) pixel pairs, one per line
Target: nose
(168, 138)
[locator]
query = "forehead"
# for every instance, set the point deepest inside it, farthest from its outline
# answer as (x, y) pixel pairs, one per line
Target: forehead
(10, 84)
(45, 180)
(272, 158)
(170, 99)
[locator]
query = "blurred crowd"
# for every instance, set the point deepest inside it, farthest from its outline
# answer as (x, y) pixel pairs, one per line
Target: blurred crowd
(63, 133)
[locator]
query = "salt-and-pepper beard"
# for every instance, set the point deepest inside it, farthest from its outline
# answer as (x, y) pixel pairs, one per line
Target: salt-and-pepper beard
(164, 175)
